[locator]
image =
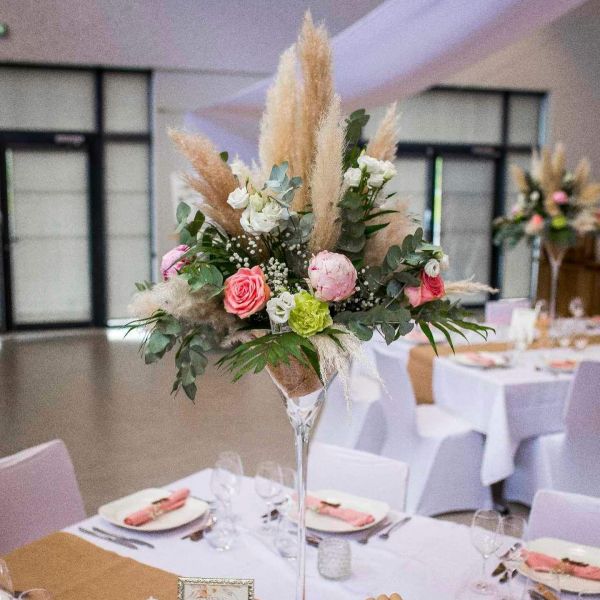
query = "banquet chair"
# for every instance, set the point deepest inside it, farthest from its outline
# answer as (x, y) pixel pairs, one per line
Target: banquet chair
(443, 452)
(358, 473)
(499, 312)
(356, 422)
(571, 517)
(38, 494)
(565, 461)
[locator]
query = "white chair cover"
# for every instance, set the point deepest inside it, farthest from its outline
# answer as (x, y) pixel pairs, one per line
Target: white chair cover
(443, 453)
(359, 473)
(570, 517)
(38, 494)
(499, 312)
(564, 461)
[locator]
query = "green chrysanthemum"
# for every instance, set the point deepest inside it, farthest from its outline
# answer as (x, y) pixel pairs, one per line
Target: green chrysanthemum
(309, 316)
(559, 222)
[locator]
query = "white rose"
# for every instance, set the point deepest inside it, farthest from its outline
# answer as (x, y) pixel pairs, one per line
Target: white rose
(370, 164)
(376, 180)
(352, 177)
(238, 199)
(389, 169)
(255, 222)
(256, 201)
(445, 262)
(275, 212)
(279, 308)
(535, 195)
(432, 268)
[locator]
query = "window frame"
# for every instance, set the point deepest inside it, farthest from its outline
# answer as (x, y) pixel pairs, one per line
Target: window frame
(94, 143)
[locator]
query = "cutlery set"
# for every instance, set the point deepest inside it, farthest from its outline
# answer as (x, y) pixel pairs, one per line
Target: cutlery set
(131, 543)
(383, 531)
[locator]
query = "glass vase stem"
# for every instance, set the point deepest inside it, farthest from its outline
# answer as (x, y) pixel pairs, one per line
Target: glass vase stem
(555, 257)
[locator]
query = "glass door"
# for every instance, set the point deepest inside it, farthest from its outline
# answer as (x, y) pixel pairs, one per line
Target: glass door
(47, 252)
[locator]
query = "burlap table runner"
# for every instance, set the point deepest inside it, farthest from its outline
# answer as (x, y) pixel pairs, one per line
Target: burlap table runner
(73, 569)
(420, 363)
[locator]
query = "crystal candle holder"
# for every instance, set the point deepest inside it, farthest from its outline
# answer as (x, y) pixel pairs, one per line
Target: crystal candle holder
(335, 558)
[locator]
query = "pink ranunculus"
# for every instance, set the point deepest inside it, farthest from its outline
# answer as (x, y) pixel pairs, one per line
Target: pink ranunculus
(246, 292)
(560, 197)
(332, 276)
(534, 225)
(431, 288)
(171, 262)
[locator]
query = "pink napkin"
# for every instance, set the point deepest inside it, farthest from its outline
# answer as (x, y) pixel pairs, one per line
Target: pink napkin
(545, 563)
(478, 359)
(354, 517)
(176, 500)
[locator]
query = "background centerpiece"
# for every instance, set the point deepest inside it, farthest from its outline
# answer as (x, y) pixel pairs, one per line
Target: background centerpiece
(555, 206)
(293, 262)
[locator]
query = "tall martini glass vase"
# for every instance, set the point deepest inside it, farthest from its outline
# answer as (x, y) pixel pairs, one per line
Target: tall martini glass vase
(555, 254)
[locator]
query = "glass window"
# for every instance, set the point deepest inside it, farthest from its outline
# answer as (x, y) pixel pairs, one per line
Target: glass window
(127, 222)
(524, 119)
(126, 102)
(410, 185)
(46, 99)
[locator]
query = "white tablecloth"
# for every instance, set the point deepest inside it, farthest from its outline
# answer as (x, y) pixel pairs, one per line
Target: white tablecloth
(507, 405)
(426, 559)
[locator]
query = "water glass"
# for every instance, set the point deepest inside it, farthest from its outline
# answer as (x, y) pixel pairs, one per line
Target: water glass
(485, 536)
(289, 490)
(286, 538)
(510, 549)
(268, 483)
(223, 532)
(334, 558)
(226, 478)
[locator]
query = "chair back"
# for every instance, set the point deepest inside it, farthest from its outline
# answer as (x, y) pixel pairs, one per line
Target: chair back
(397, 400)
(571, 517)
(499, 312)
(38, 494)
(358, 473)
(582, 417)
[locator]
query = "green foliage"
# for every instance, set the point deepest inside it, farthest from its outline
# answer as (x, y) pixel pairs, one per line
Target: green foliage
(354, 127)
(281, 184)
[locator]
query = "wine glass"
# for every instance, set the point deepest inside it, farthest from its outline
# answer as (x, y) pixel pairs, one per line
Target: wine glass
(485, 536)
(510, 550)
(35, 594)
(226, 479)
(268, 483)
(6, 585)
(289, 489)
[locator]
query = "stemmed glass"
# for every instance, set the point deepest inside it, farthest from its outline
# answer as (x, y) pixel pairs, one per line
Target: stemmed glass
(510, 550)
(226, 479)
(485, 536)
(268, 484)
(6, 585)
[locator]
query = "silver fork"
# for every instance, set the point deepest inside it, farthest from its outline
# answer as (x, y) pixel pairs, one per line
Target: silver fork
(384, 535)
(374, 531)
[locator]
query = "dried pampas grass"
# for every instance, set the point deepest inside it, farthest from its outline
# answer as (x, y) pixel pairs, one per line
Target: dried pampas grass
(586, 192)
(278, 125)
(400, 225)
(214, 182)
(326, 188)
(315, 96)
(467, 286)
(549, 169)
(519, 177)
(383, 144)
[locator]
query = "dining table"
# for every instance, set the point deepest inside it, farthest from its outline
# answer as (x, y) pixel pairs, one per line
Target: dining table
(425, 559)
(508, 404)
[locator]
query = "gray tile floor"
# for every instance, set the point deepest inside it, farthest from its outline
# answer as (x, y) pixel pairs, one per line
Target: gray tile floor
(122, 427)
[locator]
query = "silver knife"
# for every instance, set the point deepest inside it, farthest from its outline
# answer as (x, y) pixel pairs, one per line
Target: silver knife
(121, 537)
(109, 539)
(373, 531)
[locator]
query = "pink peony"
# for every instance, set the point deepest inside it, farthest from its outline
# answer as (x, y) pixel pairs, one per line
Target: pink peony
(332, 276)
(171, 262)
(431, 288)
(560, 197)
(246, 292)
(534, 225)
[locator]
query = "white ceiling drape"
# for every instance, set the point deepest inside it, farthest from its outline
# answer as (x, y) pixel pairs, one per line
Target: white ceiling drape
(396, 50)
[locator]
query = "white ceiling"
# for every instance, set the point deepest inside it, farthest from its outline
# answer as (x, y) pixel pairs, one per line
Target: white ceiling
(237, 35)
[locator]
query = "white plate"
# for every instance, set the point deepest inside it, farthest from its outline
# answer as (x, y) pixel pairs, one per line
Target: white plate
(116, 511)
(500, 361)
(326, 524)
(563, 549)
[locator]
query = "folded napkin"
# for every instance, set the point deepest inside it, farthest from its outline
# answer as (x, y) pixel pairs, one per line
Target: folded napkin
(176, 500)
(354, 517)
(480, 359)
(545, 563)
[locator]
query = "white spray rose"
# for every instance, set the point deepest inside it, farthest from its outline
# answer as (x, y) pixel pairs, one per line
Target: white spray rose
(432, 268)
(274, 211)
(389, 169)
(535, 195)
(352, 177)
(238, 199)
(376, 180)
(255, 222)
(370, 164)
(256, 202)
(445, 262)
(279, 308)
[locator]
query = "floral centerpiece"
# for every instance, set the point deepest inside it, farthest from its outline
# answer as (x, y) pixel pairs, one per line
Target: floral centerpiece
(554, 205)
(292, 262)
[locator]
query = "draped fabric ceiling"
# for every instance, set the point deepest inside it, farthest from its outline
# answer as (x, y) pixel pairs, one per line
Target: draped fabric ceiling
(396, 50)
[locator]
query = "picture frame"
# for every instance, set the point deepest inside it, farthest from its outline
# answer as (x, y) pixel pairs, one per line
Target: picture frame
(210, 588)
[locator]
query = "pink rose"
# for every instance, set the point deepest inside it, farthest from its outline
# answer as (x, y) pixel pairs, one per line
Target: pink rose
(332, 276)
(431, 288)
(246, 292)
(534, 225)
(560, 197)
(171, 262)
